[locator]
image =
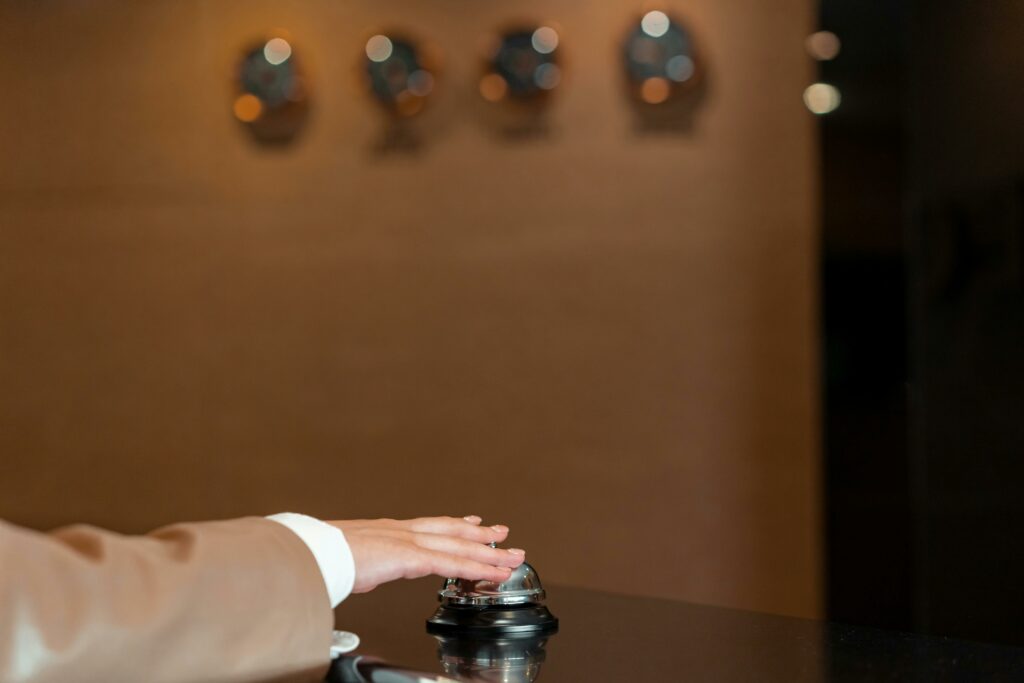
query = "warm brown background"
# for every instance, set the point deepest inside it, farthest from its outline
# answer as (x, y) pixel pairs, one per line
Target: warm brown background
(602, 337)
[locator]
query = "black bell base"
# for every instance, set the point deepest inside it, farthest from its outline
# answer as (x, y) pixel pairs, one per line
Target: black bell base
(528, 620)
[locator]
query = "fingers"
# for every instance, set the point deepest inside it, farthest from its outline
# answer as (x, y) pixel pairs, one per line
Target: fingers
(444, 564)
(499, 557)
(468, 527)
(505, 557)
(385, 550)
(460, 527)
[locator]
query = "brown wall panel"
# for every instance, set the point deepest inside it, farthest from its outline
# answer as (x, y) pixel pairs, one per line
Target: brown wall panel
(601, 336)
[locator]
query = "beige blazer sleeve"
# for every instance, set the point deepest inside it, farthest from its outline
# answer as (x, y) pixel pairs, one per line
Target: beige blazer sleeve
(240, 600)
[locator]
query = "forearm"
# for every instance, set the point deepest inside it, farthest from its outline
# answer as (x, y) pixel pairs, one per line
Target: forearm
(238, 600)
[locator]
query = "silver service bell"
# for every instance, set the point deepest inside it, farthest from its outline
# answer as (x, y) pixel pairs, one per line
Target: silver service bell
(514, 606)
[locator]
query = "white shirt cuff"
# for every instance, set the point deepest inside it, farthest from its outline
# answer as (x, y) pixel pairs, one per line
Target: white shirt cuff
(329, 548)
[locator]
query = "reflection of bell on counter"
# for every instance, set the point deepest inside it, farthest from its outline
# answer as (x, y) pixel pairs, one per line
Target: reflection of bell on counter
(486, 609)
(502, 659)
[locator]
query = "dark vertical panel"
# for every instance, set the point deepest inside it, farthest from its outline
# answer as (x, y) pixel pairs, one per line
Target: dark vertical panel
(869, 549)
(968, 323)
(925, 512)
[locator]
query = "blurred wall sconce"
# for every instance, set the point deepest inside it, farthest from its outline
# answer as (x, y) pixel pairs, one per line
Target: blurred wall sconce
(664, 73)
(272, 94)
(400, 73)
(522, 68)
(522, 65)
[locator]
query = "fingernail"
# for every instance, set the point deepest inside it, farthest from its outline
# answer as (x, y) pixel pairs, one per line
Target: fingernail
(500, 528)
(517, 551)
(473, 519)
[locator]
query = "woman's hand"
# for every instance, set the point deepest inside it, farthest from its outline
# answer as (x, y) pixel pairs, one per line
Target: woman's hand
(387, 549)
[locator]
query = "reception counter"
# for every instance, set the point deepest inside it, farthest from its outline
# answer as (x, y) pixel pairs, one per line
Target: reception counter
(605, 637)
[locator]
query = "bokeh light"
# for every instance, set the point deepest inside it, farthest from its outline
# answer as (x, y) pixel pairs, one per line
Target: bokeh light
(680, 68)
(407, 104)
(822, 98)
(379, 48)
(655, 90)
(545, 40)
(493, 88)
(823, 45)
(421, 83)
(277, 51)
(247, 108)
(547, 76)
(655, 23)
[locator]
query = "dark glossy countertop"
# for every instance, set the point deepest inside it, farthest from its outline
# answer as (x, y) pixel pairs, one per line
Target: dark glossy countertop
(606, 637)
